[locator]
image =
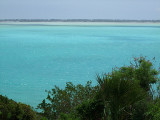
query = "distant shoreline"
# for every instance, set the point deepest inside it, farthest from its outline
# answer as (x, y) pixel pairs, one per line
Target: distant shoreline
(68, 23)
(77, 22)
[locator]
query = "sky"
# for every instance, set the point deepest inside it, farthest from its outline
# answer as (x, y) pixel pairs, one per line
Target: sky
(80, 9)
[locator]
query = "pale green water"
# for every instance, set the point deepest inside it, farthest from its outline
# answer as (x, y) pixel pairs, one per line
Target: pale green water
(37, 57)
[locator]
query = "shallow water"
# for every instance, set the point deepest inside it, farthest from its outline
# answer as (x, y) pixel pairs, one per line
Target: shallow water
(34, 58)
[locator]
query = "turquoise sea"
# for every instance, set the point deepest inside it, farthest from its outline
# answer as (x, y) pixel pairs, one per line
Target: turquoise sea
(35, 57)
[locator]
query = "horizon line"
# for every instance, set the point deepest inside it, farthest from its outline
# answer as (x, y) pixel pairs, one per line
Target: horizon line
(78, 20)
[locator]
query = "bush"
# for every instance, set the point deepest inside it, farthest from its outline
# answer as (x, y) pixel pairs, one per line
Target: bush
(65, 100)
(11, 110)
(124, 94)
(91, 110)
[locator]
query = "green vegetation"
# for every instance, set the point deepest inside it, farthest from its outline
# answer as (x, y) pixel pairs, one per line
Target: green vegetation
(126, 93)
(64, 100)
(11, 110)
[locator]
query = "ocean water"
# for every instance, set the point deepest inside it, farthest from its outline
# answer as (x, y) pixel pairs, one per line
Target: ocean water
(35, 57)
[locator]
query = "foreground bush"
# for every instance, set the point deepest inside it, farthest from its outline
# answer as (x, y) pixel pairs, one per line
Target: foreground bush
(11, 110)
(65, 100)
(128, 89)
(124, 94)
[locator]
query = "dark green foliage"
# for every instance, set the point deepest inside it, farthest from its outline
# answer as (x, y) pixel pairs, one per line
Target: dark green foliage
(139, 109)
(91, 110)
(141, 70)
(124, 94)
(153, 112)
(65, 100)
(118, 92)
(127, 90)
(10, 110)
(71, 116)
(145, 73)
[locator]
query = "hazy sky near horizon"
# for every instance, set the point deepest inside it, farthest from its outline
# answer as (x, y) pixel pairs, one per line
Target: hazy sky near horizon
(80, 9)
